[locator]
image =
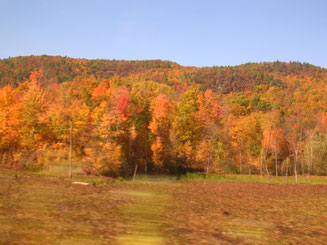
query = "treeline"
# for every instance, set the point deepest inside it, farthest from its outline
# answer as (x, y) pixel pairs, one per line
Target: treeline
(57, 69)
(159, 117)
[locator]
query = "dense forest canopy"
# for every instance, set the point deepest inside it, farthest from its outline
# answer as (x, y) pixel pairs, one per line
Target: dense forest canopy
(158, 116)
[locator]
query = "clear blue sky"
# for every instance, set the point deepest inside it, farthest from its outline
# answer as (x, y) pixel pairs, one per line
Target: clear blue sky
(199, 33)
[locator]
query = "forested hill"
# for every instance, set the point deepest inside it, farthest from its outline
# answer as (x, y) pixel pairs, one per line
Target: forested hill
(57, 69)
(160, 117)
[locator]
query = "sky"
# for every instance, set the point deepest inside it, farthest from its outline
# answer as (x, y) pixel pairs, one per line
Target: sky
(189, 32)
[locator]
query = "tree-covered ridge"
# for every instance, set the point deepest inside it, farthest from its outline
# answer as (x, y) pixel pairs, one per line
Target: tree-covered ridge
(156, 116)
(59, 69)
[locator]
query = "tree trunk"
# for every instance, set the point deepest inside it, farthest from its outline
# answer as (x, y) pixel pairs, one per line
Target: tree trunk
(287, 170)
(135, 170)
(295, 166)
(302, 165)
(146, 154)
(207, 172)
(129, 147)
(240, 162)
(267, 171)
(266, 154)
(311, 156)
(261, 172)
(71, 150)
(276, 165)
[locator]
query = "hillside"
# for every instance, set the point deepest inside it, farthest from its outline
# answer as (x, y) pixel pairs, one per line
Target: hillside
(158, 116)
(57, 69)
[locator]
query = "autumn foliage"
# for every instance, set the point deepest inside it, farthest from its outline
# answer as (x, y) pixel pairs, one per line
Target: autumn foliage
(157, 116)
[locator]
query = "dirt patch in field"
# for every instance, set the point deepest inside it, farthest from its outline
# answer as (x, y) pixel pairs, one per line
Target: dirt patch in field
(51, 210)
(249, 213)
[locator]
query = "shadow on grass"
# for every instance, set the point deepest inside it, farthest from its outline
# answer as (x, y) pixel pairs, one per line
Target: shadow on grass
(303, 180)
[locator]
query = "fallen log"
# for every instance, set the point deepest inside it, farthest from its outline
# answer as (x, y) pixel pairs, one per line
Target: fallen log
(80, 183)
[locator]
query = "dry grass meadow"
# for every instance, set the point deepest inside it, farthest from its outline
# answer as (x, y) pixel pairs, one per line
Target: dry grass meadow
(49, 209)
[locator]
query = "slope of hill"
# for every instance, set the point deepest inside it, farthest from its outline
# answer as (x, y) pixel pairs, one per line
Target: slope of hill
(57, 69)
(267, 118)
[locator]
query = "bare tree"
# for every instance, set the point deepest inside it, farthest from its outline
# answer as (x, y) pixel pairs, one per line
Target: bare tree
(275, 148)
(71, 149)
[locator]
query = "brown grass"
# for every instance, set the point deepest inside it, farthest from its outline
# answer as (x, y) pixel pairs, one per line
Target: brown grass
(249, 213)
(50, 210)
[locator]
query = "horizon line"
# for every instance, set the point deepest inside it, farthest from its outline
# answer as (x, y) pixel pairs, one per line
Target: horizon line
(158, 59)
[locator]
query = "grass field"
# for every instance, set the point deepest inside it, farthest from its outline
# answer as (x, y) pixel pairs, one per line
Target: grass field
(46, 208)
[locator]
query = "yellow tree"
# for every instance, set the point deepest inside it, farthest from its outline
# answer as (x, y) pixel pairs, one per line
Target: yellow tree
(209, 118)
(186, 127)
(35, 132)
(9, 125)
(159, 126)
(104, 152)
(245, 134)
